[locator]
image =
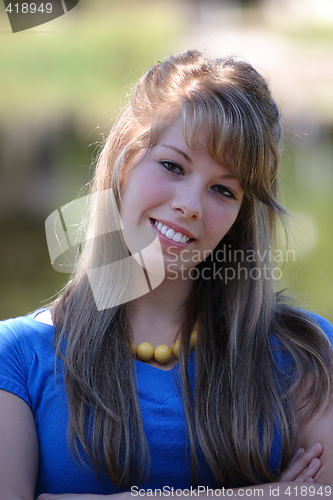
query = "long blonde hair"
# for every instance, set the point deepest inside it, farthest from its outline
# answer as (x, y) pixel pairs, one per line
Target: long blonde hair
(243, 394)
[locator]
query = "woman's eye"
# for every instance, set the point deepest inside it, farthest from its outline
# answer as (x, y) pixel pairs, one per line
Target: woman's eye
(224, 191)
(171, 166)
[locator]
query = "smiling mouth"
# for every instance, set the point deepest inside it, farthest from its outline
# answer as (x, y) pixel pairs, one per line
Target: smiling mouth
(171, 233)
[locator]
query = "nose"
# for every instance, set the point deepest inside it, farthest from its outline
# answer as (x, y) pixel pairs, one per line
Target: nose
(188, 202)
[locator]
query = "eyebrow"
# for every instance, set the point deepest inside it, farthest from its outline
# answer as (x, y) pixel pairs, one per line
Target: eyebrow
(228, 176)
(224, 176)
(178, 151)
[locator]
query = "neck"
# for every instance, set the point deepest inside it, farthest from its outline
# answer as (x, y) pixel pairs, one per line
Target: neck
(157, 316)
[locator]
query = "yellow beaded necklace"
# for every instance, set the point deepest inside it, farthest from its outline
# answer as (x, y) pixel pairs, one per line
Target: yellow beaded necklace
(163, 353)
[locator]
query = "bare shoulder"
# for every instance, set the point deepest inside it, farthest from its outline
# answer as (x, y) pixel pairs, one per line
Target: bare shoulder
(44, 317)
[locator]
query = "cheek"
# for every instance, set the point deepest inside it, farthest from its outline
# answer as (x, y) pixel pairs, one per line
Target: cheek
(155, 192)
(144, 192)
(221, 221)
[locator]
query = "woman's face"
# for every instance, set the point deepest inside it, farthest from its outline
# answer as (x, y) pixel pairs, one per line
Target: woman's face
(185, 196)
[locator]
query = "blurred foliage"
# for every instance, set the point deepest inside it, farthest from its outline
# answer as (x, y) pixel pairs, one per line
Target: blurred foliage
(96, 52)
(308, 33)
(306, 185)
(27, 278)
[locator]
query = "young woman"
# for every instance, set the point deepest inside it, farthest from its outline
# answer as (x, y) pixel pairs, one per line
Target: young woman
(193, 160)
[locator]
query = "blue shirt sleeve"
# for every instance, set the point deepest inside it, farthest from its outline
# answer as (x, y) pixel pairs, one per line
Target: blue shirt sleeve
(281, 355)
(285, 373)
(13, 358)
(325, 325)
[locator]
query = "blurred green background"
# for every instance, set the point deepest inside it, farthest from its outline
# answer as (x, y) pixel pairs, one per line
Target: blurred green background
(62, 83)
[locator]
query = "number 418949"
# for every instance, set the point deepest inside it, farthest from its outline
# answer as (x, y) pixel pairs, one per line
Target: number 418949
(29, 8)
(308, 490)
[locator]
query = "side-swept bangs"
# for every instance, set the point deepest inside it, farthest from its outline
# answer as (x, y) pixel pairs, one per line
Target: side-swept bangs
(237, 137)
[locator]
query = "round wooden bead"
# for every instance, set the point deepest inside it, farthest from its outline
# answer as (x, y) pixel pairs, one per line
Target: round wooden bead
(162, 354)
(176, 348)
(145, 351)
(194, 338)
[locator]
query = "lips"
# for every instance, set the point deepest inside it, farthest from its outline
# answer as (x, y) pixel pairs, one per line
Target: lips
(171, 233)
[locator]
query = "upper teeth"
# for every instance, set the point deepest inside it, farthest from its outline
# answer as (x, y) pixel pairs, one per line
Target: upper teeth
(171, 233)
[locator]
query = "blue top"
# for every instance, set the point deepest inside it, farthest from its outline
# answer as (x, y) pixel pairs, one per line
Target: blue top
(27, 370)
